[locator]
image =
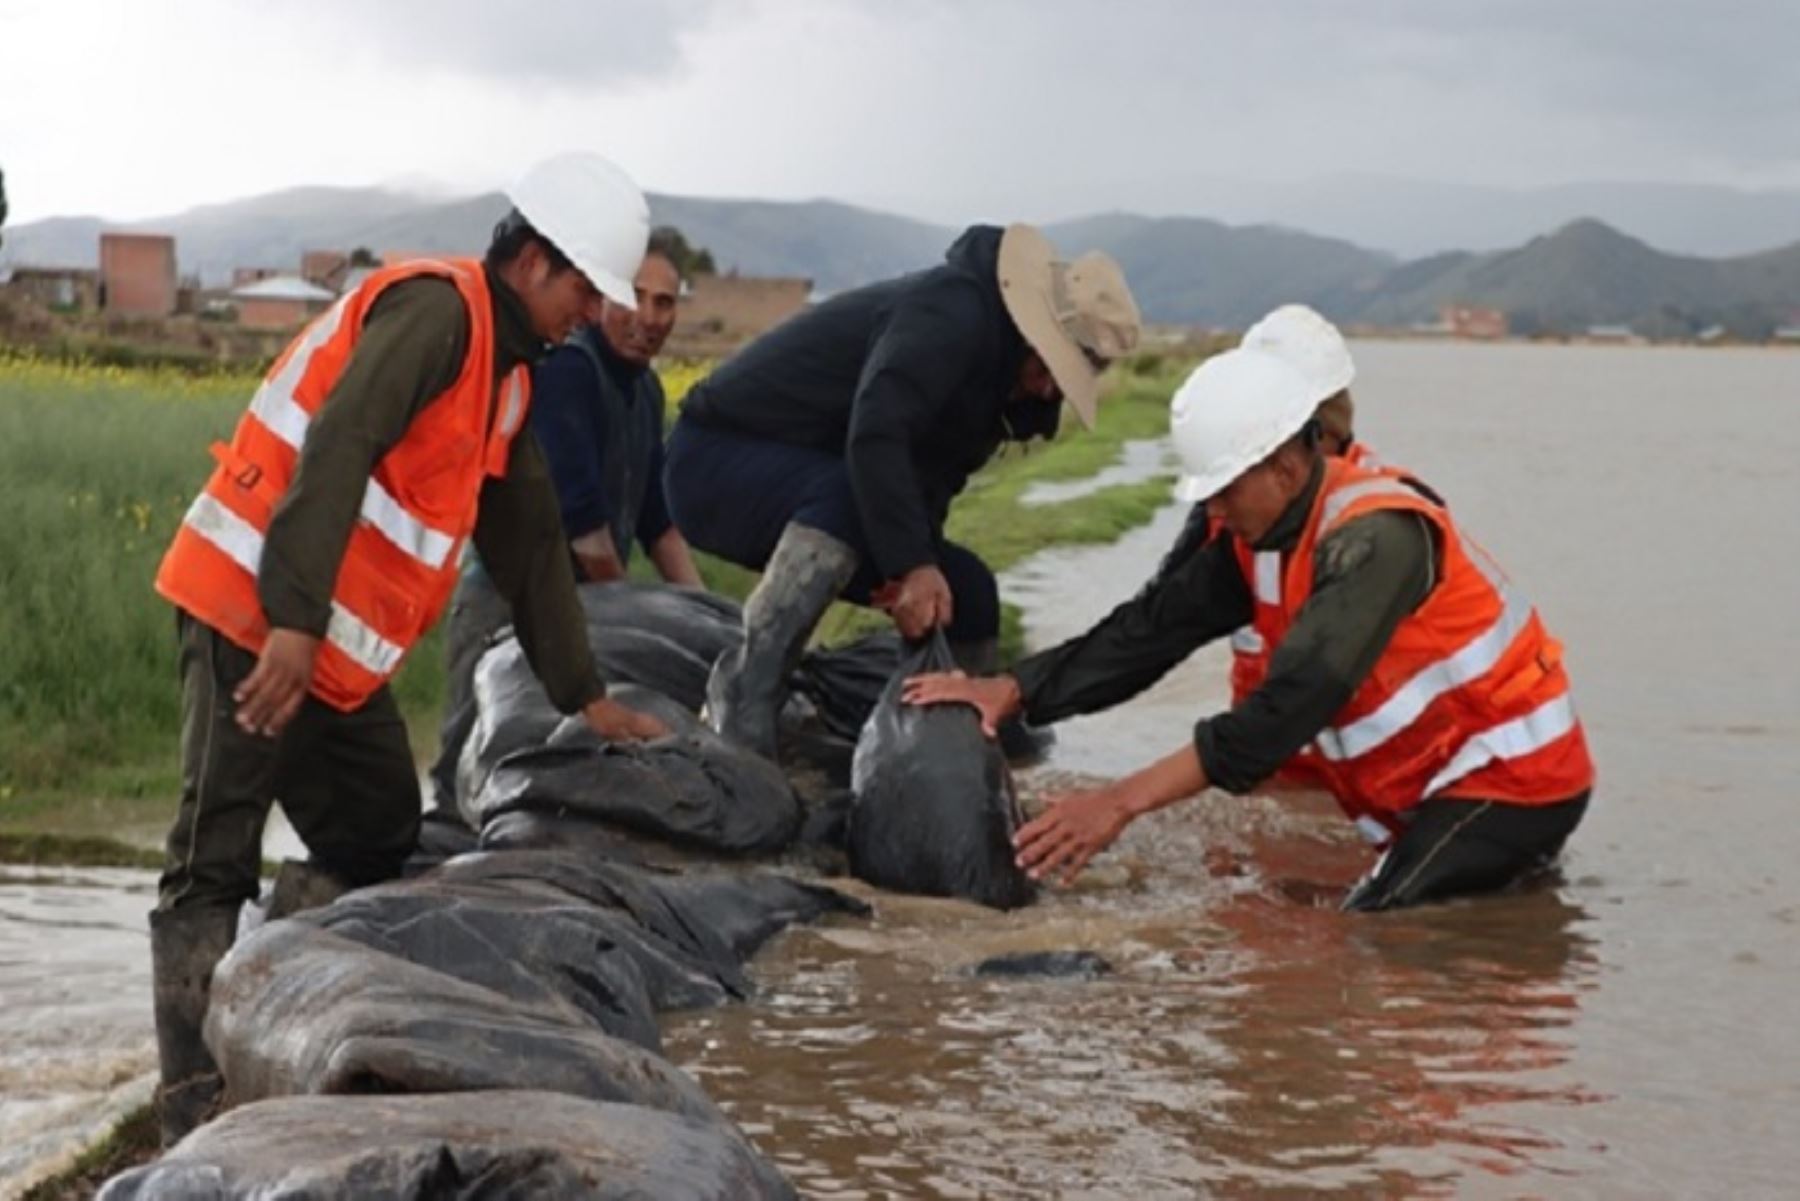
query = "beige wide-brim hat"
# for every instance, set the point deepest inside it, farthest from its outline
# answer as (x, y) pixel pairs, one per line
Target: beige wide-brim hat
(1078, 316)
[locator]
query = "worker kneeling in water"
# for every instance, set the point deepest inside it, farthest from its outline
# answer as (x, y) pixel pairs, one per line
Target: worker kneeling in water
(1434, 697)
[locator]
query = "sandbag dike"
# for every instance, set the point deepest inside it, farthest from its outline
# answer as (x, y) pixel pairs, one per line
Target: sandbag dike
(456, 1145)
(514, 996)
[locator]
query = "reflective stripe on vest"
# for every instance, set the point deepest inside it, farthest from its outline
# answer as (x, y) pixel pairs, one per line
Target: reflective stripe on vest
(1403, 708)
(274, 405)
(1469, 681)
(242, 541)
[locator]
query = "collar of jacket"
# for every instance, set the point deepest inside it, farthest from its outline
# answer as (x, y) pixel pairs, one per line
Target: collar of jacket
(515, 341)
(1285, 533)
(625, 374)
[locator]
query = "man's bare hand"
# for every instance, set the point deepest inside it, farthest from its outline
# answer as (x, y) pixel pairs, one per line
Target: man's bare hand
(276, 687)
(1076, 827)
(615, 723)
(994, 698)
(921, 603)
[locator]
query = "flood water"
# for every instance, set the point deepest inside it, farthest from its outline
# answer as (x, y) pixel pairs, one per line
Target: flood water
(1626, 1033)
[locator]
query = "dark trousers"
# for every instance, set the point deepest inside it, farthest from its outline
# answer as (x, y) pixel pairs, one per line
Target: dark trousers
(1456, 848)
(345, 781)
(732, 495)
(477, 613)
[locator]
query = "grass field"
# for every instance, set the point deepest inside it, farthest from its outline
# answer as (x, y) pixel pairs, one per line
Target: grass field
(97, 465)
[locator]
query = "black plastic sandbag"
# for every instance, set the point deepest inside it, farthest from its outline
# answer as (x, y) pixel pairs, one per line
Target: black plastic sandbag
(844, 683)
(457, 1147)
(934, 809)
(693, 790)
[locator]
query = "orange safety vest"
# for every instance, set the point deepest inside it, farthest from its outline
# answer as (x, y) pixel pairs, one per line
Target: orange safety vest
(418, 510)
(1250, 659)
(1468, 699)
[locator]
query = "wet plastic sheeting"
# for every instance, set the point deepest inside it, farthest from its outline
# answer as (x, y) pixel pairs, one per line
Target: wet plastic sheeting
(299, 1010)
(693, 791)
(934, 809)
(457, 1147)
(505, 970)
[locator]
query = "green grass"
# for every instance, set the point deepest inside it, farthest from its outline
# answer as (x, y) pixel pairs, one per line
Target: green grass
(133, 1140)
(97, 466)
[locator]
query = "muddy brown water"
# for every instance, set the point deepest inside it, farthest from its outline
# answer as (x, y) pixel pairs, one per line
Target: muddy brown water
(1628, 1032)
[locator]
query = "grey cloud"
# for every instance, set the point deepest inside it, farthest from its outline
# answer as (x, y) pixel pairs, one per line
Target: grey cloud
(583, 44)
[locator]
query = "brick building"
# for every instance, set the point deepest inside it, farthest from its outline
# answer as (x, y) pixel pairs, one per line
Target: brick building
(737, 308)
(137, 274)
(57, 287)
(1465, 321)
(284, 302)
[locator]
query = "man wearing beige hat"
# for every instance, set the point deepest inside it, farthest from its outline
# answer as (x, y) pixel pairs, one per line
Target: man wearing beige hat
(827, 453)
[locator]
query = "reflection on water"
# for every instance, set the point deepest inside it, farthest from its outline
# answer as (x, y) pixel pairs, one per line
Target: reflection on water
(1248, 1045)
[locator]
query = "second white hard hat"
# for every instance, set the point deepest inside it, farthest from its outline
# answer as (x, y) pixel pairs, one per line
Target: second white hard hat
(593, 213)
(1231, 413)
(1305, 341)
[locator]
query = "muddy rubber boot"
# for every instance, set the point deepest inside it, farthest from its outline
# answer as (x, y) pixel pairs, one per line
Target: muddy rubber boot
(744, 693)
(185, 946)
(1022, 744)
(301, 885)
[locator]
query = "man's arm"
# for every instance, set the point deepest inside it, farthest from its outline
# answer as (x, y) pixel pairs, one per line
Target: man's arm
(674, 561)
(916, 367)
(1186, 605)
(656, 528)
(573, 445)
(520, 538)
(1369, 575)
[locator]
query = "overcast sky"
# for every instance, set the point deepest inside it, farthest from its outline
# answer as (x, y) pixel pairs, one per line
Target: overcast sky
(952, 111)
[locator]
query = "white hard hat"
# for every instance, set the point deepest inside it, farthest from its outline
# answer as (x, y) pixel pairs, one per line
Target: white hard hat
(594, 214)
(1308, 343)
(1228, 416)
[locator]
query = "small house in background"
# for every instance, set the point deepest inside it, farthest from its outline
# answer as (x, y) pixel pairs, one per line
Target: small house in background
(1467, 321)
(1787, 334)
(137, 274)
(325, 268)
(283, 302)
(242, 277)
(64, 288)
(1611, 335)
(739, 307)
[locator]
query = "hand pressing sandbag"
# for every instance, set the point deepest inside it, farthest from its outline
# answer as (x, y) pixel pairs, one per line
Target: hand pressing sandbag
(695, 790)
(934, 809)
(458, 1147)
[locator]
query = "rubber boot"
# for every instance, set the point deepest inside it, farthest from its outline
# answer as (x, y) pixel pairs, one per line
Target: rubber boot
(745, 690)
(185, 945)
(301, 885)
(1022, 744)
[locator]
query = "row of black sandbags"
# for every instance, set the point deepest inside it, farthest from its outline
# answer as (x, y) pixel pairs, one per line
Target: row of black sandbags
(520, 990)
(926, 805)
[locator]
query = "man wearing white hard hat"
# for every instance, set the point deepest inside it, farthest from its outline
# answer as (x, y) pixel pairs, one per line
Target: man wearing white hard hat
(1313, 346)
(1434, 696)
(325, 543)
(826, 454)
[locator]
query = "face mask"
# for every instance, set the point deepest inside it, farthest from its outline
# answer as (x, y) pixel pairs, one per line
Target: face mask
(1028, 417)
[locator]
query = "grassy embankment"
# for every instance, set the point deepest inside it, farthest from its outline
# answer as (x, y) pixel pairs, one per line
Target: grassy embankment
(97, 465)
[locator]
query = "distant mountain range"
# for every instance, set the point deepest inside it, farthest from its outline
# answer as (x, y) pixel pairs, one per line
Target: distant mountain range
(1186, 270)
